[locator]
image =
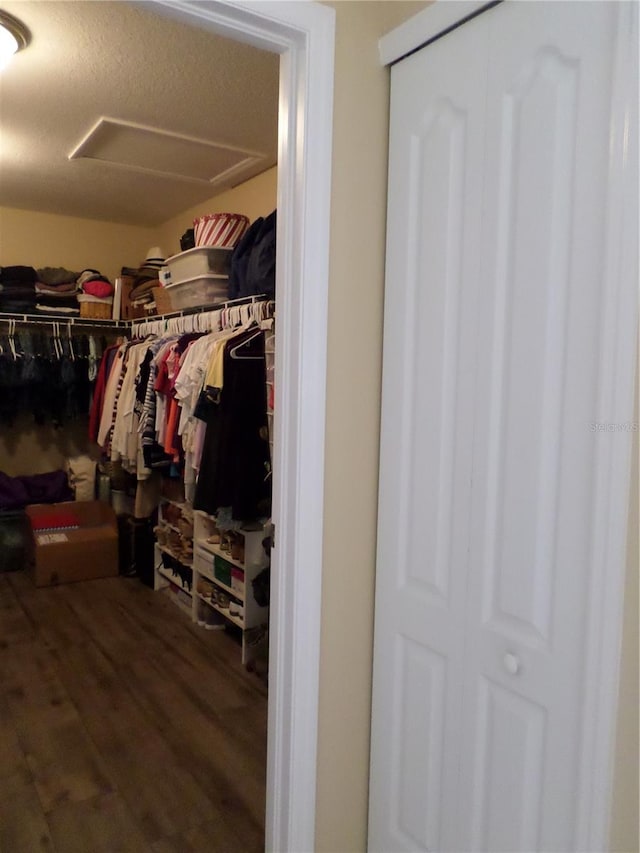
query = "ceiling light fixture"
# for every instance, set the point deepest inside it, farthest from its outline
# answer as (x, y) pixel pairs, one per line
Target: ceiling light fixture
(13, 37)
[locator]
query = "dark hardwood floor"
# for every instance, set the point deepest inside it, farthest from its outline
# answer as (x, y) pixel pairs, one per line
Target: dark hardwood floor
(123, 727)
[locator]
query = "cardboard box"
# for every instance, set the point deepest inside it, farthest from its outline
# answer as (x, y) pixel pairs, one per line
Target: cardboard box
(122, 308)
(64, 554)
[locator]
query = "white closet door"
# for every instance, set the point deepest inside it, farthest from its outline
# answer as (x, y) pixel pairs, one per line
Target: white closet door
(434, 241)
(548, 110)
(497, 328)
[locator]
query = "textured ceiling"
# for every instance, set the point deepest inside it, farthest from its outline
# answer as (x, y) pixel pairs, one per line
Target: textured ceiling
(93, 59)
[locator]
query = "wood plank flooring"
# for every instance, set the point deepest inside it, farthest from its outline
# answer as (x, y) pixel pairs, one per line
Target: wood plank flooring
(123, 727)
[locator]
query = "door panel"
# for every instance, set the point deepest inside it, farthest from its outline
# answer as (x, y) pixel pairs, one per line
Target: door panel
(527, 297)
(499, 203)
(510, 732)
(546, 138)
(415, 781)
(435, 191)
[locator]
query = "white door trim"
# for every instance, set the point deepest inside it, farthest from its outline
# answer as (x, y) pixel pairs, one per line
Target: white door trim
(303, 35)
(618, 366)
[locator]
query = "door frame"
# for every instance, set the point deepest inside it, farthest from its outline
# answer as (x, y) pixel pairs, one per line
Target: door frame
(303, 35)
(618, 368)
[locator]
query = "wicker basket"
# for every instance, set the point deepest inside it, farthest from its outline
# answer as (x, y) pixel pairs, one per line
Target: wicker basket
(162, 298)
(96, 310)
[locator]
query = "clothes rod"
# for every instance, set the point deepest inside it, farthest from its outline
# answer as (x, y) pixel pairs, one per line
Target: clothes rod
(48, 319)
(156, 323)
(201, 309)
(127, 324)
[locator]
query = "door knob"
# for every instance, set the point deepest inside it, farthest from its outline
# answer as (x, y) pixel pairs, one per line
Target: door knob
(511, 663)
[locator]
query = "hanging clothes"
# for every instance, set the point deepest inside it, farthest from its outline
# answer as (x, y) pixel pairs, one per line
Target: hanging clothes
(97, 403)
(43, 375)
(235, 464)
(156, 418)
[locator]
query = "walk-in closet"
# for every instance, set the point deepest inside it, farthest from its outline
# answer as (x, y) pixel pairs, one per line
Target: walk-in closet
(137, 374)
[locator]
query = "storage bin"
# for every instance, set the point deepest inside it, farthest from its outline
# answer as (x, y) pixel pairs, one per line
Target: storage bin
(219, 229)
(203, 260)
(237, 581)
(199, 291)
(95, 309)
(222, 571)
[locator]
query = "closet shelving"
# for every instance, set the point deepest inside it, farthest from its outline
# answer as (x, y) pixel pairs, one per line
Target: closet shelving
(66, 322)
(174, 540)
(202, 318)
(138, 324)
(220, 590)
(228, 576)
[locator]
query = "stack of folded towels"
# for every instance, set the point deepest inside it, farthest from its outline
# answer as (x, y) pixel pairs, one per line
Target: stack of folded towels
(56, 291)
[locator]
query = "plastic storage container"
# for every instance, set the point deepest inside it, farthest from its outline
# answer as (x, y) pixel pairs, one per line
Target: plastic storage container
(203, 260)
(202, 290)
(222, 570)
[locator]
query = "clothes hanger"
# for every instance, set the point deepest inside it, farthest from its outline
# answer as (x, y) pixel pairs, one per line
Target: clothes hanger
(12, 341)
(56, 340)
(72, 354)
(233, 352)
(59, 345)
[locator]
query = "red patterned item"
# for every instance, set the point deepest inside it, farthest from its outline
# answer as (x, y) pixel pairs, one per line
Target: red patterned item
(222, 230)
(56, 520)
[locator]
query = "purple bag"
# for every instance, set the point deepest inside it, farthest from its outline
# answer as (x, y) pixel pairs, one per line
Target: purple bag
(13, 493)
(18, 492)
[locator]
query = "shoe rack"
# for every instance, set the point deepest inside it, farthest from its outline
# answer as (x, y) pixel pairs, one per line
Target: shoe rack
(173, 552)
(225, 564)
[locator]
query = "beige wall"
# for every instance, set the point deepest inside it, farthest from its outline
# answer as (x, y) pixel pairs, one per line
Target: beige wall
(29, 449)
(358, 205)
(625, 834)
(254, 198)
(45, 239)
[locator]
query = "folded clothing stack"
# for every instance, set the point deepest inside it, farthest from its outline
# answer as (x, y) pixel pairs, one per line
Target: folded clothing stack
(56, 291)
(17, 289)
(95, 288)
(93, 283)
(145, 278)
(51, 290)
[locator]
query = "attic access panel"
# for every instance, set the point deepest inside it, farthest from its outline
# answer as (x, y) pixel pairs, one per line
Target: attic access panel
(174, 155)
